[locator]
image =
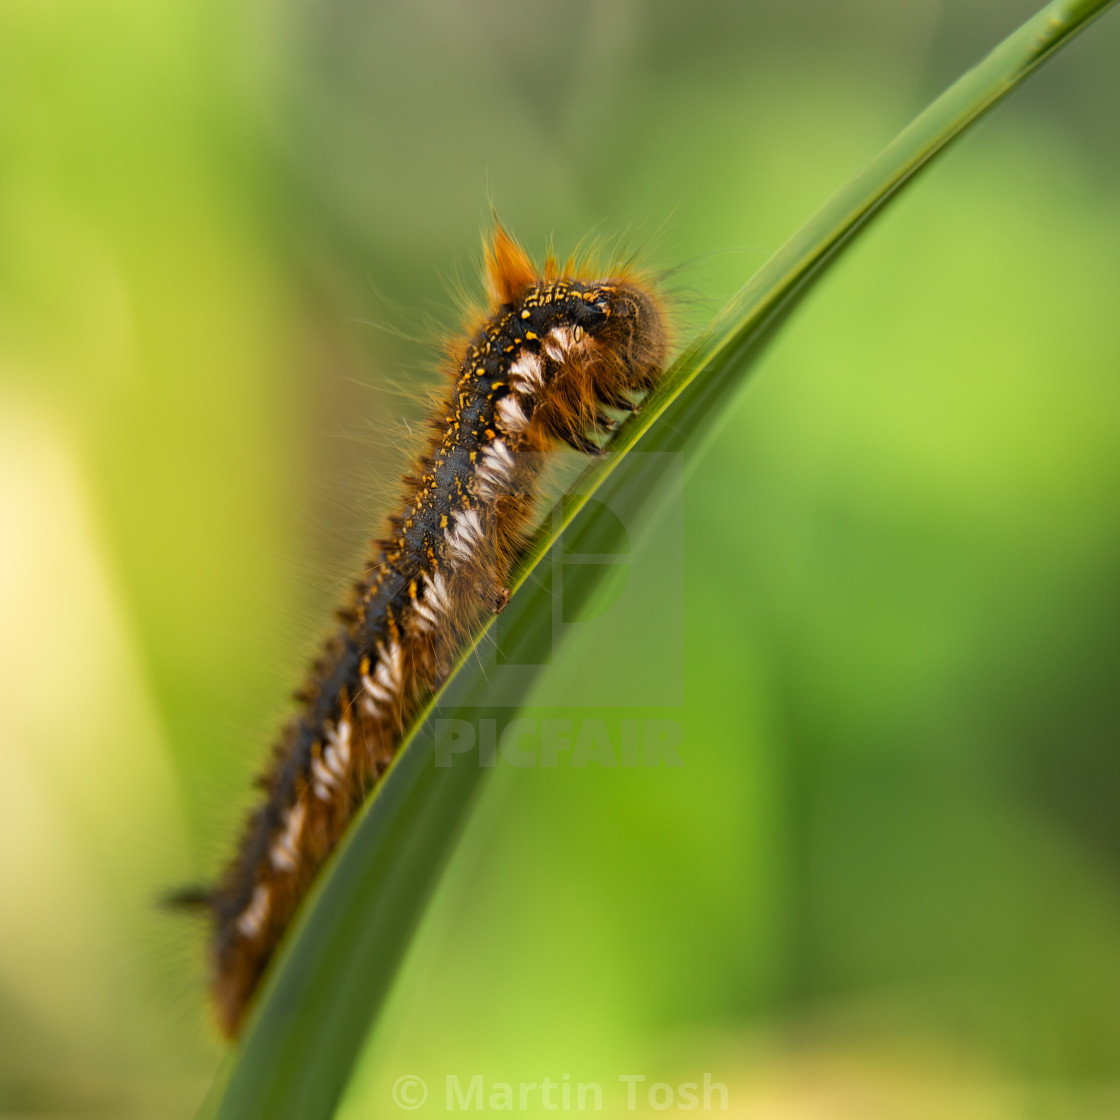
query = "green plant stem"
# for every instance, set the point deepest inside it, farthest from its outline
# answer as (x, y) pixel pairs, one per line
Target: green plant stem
(337, 964)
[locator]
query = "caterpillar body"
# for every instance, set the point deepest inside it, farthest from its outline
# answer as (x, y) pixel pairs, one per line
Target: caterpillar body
(534, 373)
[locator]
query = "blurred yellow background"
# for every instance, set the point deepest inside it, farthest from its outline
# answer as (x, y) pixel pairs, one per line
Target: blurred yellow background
(884, 884)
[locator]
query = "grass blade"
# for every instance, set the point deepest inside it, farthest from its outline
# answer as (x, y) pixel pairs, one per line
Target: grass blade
(338, 963)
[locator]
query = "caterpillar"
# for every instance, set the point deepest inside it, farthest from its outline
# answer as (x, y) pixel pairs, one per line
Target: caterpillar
(535, 372)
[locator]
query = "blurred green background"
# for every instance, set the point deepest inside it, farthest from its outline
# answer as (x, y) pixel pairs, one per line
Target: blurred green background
(884, 884)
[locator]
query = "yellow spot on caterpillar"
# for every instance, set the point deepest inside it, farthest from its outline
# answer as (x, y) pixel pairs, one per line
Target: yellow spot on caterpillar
(443, 516)
(496, 384)
(473, 457)
(530, 336)
(412, 590)
(524, 314)
(490, 433)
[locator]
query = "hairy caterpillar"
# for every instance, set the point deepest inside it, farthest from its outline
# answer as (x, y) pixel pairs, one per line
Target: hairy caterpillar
(535, 372)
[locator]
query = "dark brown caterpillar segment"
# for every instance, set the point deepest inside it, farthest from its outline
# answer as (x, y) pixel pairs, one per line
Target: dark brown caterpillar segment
(537, 372)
